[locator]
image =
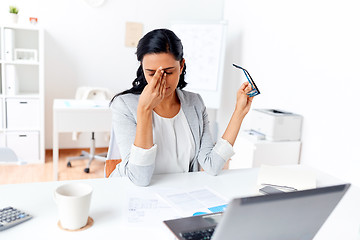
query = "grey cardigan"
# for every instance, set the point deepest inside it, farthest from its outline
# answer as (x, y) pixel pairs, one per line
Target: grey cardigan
(124, 110)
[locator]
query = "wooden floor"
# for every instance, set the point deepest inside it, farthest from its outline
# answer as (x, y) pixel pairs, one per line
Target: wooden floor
(44, 172)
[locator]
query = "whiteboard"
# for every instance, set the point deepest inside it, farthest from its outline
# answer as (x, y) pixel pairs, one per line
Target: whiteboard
(204, 52)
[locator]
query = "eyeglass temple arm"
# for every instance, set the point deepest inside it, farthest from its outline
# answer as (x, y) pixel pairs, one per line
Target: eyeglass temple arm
(246, 74)
(251, 81)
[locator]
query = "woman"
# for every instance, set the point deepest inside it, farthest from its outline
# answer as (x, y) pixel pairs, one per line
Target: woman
(160, 128)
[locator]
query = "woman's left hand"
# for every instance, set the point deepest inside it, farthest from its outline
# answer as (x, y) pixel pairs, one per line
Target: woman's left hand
(243, 101)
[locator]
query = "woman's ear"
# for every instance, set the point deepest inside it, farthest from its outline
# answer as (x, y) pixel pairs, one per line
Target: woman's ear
(182, 63)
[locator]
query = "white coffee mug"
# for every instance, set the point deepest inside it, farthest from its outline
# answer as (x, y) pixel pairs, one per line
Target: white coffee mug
(73, 201)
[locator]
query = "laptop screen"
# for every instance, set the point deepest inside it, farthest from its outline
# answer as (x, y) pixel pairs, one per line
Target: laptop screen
(281, 216)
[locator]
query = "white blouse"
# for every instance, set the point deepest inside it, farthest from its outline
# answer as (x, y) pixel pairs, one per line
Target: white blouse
(175, 143)
(174, 146)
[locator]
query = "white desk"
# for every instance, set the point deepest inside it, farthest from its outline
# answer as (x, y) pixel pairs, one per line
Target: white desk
(71, 115)
(109, 206)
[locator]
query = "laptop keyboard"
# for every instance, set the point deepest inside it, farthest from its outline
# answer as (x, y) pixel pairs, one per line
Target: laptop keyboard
(204, 234)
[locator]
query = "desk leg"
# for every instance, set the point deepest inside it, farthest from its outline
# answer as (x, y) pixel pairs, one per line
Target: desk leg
(55, 147)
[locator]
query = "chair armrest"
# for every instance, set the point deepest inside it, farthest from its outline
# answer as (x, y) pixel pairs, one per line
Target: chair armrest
(110, 165)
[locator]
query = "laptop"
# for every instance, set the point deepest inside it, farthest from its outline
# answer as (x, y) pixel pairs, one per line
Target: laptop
(280, 216)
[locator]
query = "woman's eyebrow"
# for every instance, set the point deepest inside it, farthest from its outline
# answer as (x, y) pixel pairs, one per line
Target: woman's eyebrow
(152, 70)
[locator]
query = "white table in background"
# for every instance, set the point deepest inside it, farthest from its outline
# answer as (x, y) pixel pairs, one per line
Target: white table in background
(70, 115)
(109, 206)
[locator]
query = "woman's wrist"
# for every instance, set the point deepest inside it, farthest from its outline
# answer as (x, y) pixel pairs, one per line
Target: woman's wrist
(146, 110)
(240, 113)
(143, 137)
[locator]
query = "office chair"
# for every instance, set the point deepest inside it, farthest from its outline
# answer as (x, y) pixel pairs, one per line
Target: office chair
(113, 157)
(93, 94)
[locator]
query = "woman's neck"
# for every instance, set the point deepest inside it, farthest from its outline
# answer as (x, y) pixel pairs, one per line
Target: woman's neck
(169, 106)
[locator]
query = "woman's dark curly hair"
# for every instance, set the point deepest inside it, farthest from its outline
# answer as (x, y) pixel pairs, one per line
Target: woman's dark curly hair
(156, 41)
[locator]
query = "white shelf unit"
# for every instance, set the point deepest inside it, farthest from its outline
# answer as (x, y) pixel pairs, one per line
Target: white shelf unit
(22, 126)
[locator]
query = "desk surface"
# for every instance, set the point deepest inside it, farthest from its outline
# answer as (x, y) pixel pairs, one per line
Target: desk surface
(109, 206)
(75, 104)
(81, 115)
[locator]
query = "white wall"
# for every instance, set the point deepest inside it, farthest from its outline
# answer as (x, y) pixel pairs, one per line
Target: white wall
(86, 46)
(304, 57)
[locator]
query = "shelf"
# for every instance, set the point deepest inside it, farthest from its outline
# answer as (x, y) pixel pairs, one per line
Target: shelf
(20, 130)
(22, 91)
(21, 27)
(30, 95)
(1, 80)
(34, 63)
(21, 79)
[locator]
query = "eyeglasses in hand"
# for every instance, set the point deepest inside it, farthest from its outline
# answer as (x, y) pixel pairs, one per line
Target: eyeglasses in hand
(255, 91)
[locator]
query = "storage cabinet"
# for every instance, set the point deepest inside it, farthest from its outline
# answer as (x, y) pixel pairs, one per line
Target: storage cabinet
(22, 92)
(2, 139)
(25, 145)
(1, 117)
(28, 108)
(251, 152)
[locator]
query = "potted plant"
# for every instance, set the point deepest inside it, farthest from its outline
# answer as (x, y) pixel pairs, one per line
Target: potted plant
(14, 13)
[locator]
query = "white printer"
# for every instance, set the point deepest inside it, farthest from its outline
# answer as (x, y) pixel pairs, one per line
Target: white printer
(276, 125)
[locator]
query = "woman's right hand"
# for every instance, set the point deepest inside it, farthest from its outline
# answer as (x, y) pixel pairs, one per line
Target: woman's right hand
(154, 91)
(243, 101)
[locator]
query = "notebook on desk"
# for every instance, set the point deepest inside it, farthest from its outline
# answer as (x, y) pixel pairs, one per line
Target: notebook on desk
(281, 216)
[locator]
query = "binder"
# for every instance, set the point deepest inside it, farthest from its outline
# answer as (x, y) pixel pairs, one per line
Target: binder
(9, 42)
(12, 86)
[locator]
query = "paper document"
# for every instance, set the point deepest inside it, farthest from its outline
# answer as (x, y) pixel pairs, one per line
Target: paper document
(146, 207)
(299, 179)
(193, 202)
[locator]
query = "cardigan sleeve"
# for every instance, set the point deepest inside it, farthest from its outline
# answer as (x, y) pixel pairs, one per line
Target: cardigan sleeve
(211, 157)
(137, 164)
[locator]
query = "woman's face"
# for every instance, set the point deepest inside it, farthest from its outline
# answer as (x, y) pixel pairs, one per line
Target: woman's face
(172, 67)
